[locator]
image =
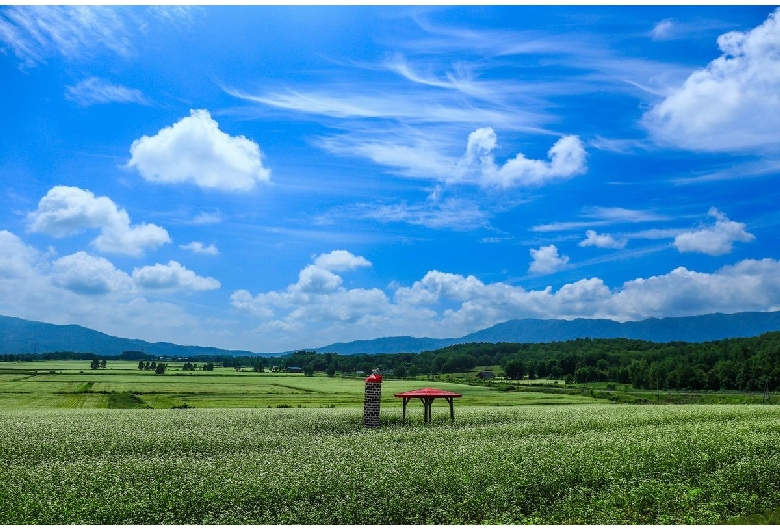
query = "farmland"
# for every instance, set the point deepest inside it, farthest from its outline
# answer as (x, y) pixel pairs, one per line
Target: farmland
(246, 453)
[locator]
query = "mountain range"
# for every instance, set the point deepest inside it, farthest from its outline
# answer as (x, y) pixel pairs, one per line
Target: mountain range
(25, 336)
(700, 328)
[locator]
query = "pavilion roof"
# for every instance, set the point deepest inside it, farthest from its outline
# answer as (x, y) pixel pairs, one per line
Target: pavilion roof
(427, 392)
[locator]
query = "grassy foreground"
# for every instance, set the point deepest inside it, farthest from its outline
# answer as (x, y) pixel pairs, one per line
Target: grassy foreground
(594, 464)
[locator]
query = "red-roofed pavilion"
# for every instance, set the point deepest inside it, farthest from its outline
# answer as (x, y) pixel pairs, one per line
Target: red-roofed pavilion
(427, 395)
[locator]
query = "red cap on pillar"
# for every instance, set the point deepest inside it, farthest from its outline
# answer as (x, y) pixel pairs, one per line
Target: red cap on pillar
(375, 377)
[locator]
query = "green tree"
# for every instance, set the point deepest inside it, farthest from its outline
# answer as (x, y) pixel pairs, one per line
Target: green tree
(514, 370)
(140, 365)
(102, 363)
(160, 368)
(331, 369)
(414, 371)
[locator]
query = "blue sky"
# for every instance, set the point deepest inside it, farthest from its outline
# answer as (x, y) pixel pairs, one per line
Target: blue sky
(275, 178)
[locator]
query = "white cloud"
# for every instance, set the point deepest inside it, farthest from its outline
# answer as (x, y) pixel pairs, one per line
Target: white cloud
(89, 275)
(593, 239)
(602, 217)
(95, 91)
(67, 210)
(319, 301)
(173, 276)
(449, 305)
(194, 150)
(417, 108)
(546, 260)
(424, 157)
(90, 291)
(714, 240)
(663, 30)
(340, 260)
(452, 214)
(199, 248)
(732, 104)
(567, 159)
(16, 258)
(34, 33)
(208, 218)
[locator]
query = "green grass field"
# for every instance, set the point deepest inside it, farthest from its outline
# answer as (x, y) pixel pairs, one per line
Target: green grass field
(72, 384)
(115, 446)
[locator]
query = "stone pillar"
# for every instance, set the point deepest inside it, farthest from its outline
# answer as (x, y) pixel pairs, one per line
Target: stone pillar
(371, 400)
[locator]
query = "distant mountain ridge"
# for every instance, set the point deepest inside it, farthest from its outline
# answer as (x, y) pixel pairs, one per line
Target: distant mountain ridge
(699, 328)
(25, 336)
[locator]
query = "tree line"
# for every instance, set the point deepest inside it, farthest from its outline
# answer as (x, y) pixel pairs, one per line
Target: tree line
(745, 364)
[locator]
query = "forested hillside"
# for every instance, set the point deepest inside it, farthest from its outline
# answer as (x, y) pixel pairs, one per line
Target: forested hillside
(746, 364)
(729, 364)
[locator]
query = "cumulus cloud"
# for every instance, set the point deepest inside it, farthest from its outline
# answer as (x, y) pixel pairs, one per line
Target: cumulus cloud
(91, 291)
(714, 240)
(67, 210)
(545, 260)
(199, 248)
(593, 239)
(340, 260)
(173, 276)
(94, 91)
(567, 159)
(317, 296)
(732, 104)
(16, 258)
(445, 304)
(424, 156)
(196, 151)
(89, 275)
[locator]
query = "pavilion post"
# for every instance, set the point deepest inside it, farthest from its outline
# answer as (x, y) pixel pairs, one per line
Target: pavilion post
(452, 409)
(405, 400)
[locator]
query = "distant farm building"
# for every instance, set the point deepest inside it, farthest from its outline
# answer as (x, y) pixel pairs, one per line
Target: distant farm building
(294, 370)
(487, 374)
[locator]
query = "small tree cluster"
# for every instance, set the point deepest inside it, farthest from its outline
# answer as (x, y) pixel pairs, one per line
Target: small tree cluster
(154, 366)
(97, 363)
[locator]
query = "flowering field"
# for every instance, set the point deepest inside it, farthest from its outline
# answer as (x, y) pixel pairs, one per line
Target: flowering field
(553, 465)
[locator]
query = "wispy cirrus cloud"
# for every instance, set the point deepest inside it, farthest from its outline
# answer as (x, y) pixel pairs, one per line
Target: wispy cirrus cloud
(411, 107)
(94, 91)
(35, 33)
(450, 214)
(601, 216)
